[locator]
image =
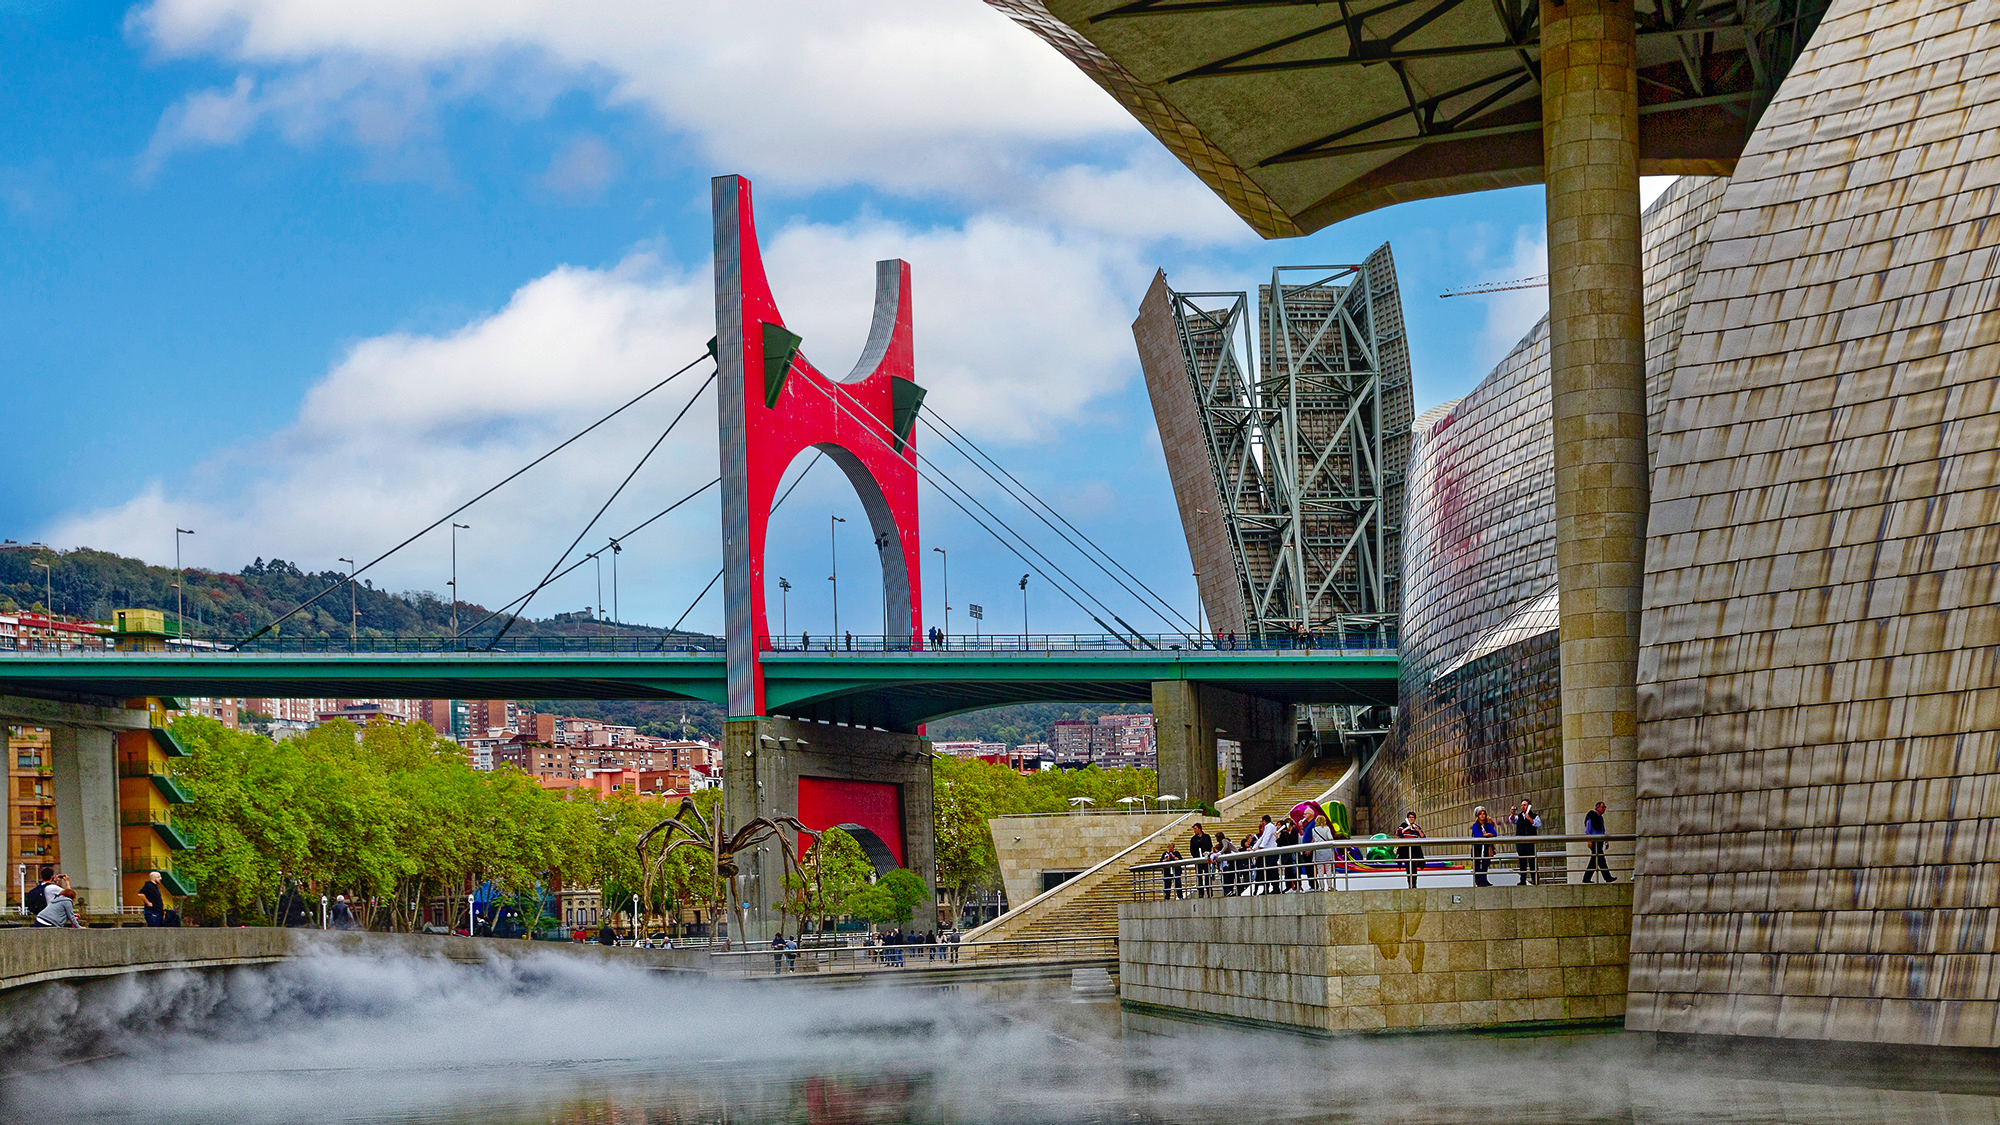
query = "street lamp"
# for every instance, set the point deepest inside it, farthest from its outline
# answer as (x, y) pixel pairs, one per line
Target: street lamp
(469, 916)
(833, 552)
(635, 920)
(616, 550)
(353, 609)
(179, 618)
(455, 529)
(946, 584)
(597, 557)
(48, 587)
(1024, 611)
(784, 607)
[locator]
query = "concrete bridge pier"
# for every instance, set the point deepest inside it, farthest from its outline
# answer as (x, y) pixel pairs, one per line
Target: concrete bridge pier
(84, 762)
(1189, 718)
(876, 784)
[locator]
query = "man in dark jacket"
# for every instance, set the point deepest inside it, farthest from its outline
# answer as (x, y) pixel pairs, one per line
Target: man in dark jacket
(1200, 847)
(1593, 825)
(1526, 823)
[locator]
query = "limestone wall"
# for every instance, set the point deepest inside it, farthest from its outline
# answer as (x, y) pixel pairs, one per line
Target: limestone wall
(1819, 774)
(34, 956)
(1383, 960)
(1026, 846)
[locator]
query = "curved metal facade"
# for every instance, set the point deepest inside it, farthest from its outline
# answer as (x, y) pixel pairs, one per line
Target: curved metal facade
(1480, 719)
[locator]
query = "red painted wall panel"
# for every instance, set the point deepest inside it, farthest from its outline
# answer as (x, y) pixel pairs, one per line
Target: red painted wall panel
(827, 802)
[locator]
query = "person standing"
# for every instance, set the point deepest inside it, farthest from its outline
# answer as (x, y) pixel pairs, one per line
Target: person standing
(1320, 831)
(343, 914)
(1225, 866)
(1413, 855)
(38, 895)
(1170, 877)
(1288, 864)
(1527, 823)
(155, 910)
(1593, 825)
(1200, 848)
(1482, 854)
(1267, 864)
(606, 935)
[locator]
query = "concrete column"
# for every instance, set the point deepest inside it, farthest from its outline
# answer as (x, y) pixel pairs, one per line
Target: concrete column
(86, 787)
(1597, 360)
(1189, 717)
(763, 760)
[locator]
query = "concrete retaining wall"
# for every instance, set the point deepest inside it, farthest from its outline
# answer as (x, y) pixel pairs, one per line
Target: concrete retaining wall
(1026, 846)
(1352, 961)
(33, 956)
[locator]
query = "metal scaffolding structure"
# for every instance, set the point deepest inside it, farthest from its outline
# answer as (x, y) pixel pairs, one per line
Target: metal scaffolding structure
(1307, 457)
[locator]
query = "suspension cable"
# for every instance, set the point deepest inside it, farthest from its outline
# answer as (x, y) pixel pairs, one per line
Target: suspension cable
(1171, 613)
(641, 526)
(871, 424)
(650, 450)
(578, 436)
(775, 505)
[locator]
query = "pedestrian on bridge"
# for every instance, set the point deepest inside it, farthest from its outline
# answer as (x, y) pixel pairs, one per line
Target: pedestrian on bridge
(850, 640)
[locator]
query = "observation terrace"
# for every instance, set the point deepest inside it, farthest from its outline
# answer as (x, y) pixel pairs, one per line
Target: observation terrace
(877, 682)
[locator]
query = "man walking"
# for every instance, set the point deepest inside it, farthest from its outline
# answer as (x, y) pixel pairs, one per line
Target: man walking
(155, 910)
(1593, 825)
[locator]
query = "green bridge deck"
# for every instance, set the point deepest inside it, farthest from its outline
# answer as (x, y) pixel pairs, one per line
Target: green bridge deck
(893, 690)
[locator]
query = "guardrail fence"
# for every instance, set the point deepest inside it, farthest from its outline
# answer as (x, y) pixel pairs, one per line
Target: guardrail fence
(1386, 864)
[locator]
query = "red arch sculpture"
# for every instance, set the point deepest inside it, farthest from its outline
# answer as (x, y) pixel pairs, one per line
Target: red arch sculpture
(772, 404)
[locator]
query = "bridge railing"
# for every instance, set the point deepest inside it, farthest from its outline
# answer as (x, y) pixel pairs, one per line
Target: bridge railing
(1038, 643)
(1372, 864)
(639, 644)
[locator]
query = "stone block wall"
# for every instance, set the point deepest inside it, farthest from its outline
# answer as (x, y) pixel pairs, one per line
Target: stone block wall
(1383, 960)
(1819, 775)
(1026, 846)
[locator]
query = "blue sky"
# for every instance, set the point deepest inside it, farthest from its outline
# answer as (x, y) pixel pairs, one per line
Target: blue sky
(302, 276)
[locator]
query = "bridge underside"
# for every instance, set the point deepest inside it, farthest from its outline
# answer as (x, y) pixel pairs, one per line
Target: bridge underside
(893, 691)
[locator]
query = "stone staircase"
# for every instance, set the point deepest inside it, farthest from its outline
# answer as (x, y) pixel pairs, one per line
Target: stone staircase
(1087, 906)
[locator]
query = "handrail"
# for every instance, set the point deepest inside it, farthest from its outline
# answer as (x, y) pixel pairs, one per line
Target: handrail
(870, 958)
(1529, 860)
(1166, 645)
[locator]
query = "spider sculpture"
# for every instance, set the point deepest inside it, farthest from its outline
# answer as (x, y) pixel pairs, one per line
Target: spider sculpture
(694, 831)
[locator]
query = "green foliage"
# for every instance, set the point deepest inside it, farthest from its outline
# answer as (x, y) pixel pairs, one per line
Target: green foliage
(892, 900)
(389, 814)
(833, 874)
(92, 584)
(966, 794)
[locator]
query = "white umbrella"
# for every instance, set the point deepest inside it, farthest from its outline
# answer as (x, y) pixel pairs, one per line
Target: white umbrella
(1078, 802)
(1129, 800)
(1168, 798)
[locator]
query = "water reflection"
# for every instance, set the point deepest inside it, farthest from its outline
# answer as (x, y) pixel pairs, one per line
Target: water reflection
(409, 1042)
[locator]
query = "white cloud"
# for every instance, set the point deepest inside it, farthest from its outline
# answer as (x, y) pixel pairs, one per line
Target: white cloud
(1510, 314)
(908, 94)
(583, 168)
(1018, 333)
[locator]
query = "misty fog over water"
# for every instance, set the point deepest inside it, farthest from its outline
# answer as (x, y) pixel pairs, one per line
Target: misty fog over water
(553, 1039)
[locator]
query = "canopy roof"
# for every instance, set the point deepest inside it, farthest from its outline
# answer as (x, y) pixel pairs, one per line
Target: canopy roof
(1299, 114)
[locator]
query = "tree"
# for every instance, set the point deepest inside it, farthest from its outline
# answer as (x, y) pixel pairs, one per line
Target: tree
(832, 874)
(892, 900)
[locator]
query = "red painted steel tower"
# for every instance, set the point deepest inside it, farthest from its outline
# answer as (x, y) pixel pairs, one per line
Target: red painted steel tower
(773, 404)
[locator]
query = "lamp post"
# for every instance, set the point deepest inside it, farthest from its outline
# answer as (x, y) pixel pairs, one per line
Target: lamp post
(455, 529)
(469, 917)
(784, 607)
(833, 553)
(1024, 611)
(180, 619)
(616, 550)
(945, 565)
(353, 609)
(635, 920)
(48, 587)
(597, 557)
(322, 912)
(1199, 629)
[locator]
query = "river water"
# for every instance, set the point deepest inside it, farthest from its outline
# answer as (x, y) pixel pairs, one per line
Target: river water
(552, 1039)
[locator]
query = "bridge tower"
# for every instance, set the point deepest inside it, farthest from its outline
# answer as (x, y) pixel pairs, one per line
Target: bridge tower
(772, 405)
